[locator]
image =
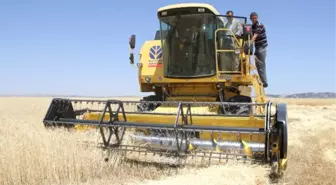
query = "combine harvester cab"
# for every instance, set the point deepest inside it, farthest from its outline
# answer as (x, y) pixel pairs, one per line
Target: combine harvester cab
(201, 77)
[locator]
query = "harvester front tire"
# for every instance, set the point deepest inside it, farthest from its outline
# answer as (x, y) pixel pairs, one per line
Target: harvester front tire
(282, 121)
(281, 128)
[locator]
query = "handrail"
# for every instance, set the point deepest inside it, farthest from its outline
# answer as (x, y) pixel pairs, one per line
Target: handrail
(236, 43)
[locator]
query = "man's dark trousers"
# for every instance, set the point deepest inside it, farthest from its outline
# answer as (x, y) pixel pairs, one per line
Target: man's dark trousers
(260, 61)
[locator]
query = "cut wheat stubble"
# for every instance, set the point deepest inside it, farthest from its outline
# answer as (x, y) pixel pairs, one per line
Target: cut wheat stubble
(31, 155)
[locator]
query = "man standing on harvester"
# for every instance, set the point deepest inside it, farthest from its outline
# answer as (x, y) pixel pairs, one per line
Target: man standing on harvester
(260, 43)
(237, 29)
(233, 24)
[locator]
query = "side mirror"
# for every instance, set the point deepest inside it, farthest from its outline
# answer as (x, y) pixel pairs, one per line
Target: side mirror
(132, 42)
(131, 58)
(132, 46)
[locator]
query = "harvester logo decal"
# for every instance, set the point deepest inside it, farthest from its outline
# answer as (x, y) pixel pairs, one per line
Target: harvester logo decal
(155, 56)
(155, 52)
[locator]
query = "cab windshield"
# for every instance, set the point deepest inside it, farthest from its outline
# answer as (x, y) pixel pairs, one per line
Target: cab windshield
(190, 44)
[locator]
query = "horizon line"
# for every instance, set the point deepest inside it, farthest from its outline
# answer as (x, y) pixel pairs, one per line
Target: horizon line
(98, 96)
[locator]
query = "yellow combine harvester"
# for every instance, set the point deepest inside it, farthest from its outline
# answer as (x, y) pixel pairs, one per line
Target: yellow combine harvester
(202, 77)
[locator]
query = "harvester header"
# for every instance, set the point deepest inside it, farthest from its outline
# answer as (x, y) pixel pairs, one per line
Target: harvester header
(201, 76)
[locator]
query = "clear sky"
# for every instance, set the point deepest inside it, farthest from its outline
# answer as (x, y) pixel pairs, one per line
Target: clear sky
(81, 47)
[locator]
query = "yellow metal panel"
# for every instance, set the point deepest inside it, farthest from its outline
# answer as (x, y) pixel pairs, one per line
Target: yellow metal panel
(196, 109)
(158, 78)
(193, 89)
(192, 98)
(246, 122)
(151, 66)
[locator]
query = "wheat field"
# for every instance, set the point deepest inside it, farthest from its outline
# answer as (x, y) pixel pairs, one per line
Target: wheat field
(29, 154)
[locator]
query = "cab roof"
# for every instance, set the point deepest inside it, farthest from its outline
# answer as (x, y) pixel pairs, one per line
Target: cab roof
(187, 5)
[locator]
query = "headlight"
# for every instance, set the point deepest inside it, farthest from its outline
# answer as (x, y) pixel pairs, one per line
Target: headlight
(147, 79)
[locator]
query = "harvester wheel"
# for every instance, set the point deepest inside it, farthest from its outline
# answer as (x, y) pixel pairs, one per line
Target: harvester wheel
(281, 125)
(279, 163)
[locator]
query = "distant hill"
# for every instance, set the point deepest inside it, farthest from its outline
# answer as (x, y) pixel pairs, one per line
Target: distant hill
(306, 95)
(274, 96)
